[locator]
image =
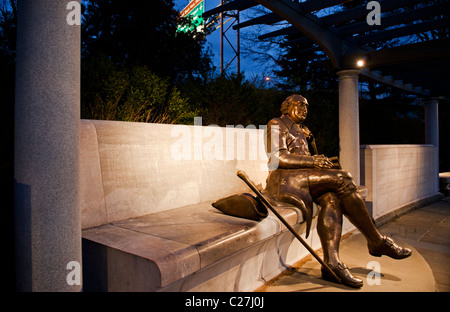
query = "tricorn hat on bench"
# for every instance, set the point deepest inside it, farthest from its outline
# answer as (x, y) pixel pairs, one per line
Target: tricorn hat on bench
(243, 206)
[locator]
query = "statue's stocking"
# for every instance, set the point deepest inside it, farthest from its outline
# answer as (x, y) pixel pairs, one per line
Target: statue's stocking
(329, 227)
(356, 212)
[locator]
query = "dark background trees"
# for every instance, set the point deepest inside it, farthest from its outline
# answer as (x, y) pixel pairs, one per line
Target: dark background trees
(8, 21)
(133, 58)
(143, 33)
(123, 38)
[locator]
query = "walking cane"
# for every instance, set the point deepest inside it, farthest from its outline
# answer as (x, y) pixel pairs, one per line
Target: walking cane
(246, 179)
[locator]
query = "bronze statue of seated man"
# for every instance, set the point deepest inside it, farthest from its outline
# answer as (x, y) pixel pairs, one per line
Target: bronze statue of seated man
(301, 179)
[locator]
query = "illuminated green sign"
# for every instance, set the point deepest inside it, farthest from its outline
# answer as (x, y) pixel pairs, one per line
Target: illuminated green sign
(194, 9)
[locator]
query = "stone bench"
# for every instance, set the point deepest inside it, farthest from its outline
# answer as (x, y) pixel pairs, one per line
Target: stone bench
(147, 219)
(444, 183)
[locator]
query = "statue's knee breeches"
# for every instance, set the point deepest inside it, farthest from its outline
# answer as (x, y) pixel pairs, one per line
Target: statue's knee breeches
(346, 184)
(339, 182)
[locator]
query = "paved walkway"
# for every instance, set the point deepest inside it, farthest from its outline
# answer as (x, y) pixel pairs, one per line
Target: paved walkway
(426, 231)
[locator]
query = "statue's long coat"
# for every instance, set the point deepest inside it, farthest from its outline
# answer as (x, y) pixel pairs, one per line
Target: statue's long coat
(288, 150)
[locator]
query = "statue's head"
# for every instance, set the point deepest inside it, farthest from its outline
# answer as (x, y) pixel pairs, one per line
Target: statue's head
(296, 107)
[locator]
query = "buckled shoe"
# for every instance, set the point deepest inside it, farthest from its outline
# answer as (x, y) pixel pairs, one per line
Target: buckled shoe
(390, 249)
(346, 278)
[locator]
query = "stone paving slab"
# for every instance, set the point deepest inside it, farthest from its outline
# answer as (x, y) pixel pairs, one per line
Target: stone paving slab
(426, 231)
(411, 274)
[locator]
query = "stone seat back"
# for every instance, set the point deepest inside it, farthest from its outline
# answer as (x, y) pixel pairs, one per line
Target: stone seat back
(129, 169)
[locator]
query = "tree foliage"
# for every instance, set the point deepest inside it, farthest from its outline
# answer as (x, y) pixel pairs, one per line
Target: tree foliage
(114, 92)
(234, 100)
(132, 59)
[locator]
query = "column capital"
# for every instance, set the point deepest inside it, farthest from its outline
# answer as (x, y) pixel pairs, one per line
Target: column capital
(431, 100)
(348, 73)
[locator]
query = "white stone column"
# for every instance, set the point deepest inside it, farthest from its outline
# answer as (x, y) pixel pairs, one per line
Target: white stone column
(47, 117)
(432, 129)
(349, 122)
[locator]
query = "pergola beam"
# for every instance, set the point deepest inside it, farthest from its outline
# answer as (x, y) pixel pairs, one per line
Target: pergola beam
(329, 40)
(233, 5)
(395, 19)
(267, 19)
(422, 77)
(403, 31)
(359, 12)
(415, 52)
(419, 66)
(307, 7)
(291, 30)
(387, 80)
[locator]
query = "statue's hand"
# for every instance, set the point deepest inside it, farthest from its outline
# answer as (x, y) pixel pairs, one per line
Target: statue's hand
(321, 162)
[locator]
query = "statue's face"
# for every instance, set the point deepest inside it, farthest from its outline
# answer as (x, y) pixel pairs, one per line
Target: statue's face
(298, 111)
